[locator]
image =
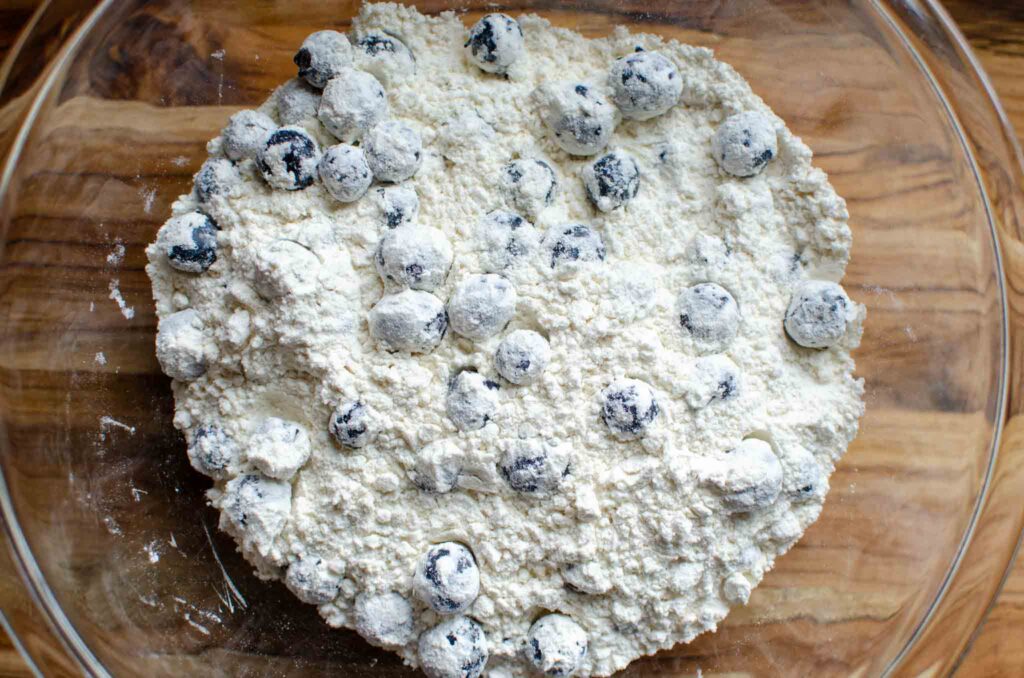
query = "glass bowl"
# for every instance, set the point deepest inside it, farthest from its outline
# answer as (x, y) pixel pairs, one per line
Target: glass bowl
(107, 523)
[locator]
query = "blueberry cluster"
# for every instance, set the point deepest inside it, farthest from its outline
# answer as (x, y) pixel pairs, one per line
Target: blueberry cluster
(339, 85)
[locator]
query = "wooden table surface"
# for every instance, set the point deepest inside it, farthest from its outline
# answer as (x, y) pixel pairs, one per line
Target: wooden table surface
(995, 28)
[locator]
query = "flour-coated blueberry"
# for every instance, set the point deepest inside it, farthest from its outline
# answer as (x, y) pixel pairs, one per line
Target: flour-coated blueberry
(612, 180)
(352, 424)
(297, 101)
(447, 578)
(629, 408)
(495, 42)
(214, 453)
(322, 56)
(529, 185)
(438, 467)
(481, 306)
(709, 316)
(714, 378)
(533, 466)
(556, 645)
(746, 478)
(255, 509)
(189, 241)
(217, 177)
(644, 84)
(312, 581)
(818, 314)
(345, 173)
(246, 134)
(352, 103)
(385, 56)
(472, 400)
(411, 320)
(384, 619)
(394, 150)
(398, 205)
(506, 239)
(289, 159)
(522, 356)
(455, 648)
(569, 243)
(181, 346)
(581, 121)
(745, 143)
(418, 257)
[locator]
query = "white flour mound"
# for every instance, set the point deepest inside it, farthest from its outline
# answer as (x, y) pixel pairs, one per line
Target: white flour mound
(646, 542)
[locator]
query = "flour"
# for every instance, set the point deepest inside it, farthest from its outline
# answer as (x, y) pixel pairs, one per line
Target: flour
(628, 542)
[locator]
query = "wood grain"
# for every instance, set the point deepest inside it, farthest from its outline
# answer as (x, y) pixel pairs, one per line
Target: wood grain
(997, 33)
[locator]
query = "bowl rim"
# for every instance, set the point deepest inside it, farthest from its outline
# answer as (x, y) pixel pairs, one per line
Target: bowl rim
(931, 11)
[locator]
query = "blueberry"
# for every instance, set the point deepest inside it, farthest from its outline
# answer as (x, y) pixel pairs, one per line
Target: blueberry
(394, 150)
(556, 645)
(438, 467)
(384, 619)
(352, 424)
(612, 181)
(495, 42)
(297, 101)
(747, 478)
(279, 448)
(481, 306)
(745, 143)
(818, 314)
(455, 648)
(707, 255)
(289, 159)
(214, 453)
(580, 120)
(418, 257)
(410, 321)
(472, 401)
(709, 316)
(399, 205)
(246, 134)
(447, 578)
(189, 241)
(644, 85)
(714, 378)
(529, 185)
(255, 508)
(534, 466)
(217, 177)
(573, 242)
(802, 478)
(385, 56)
(352, 103)
(629, 408)
(181, 346)
(505, 239)
(589, 578)
(322, 56)
(522, 356)
(345, 173)
(311, 580)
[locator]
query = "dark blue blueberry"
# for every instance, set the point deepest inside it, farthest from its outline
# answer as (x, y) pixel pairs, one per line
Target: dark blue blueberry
(574, 242)
(190, 241)
(612, 181)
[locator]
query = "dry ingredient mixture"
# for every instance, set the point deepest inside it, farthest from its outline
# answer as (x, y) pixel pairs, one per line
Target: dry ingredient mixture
(516, 352)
